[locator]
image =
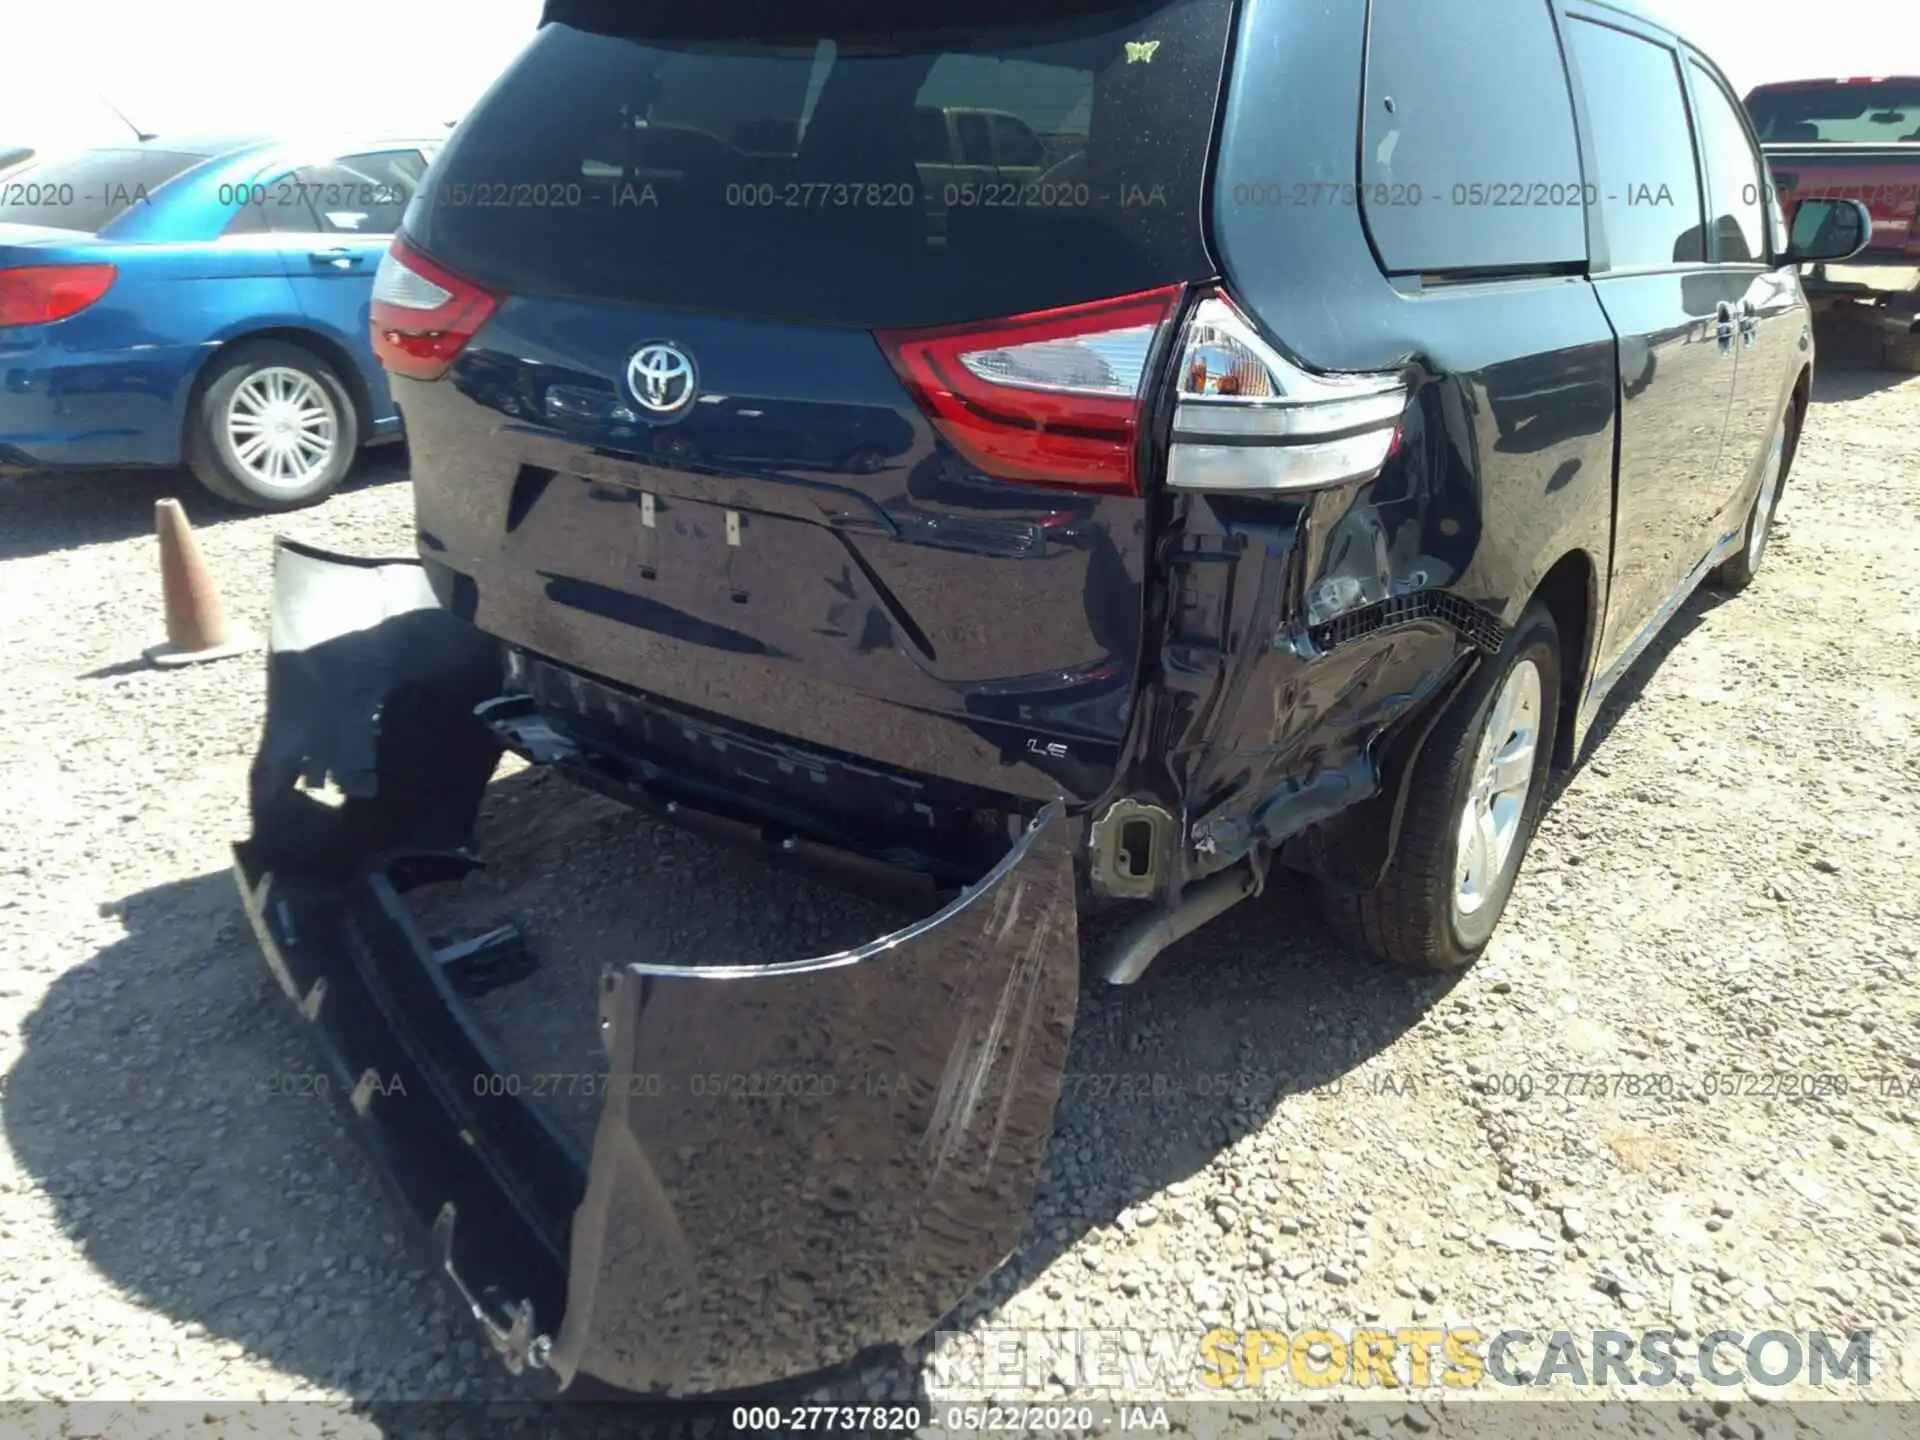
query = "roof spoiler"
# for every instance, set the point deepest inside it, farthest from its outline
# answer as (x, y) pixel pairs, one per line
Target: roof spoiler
(770, 19)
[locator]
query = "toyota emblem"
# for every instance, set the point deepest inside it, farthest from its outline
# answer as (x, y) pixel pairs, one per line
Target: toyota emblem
(661, 378)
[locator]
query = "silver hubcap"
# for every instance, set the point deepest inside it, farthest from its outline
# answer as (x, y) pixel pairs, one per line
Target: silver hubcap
(283, 426)
(1769, 495)
(1502, 776)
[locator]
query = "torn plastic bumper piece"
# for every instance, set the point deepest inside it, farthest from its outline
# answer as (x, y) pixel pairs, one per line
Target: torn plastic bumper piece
(709, 1243)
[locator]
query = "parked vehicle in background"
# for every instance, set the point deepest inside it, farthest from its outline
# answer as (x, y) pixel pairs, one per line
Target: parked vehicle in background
(966, 155)
(201, 302)
(1854, 139)
(1258, 498)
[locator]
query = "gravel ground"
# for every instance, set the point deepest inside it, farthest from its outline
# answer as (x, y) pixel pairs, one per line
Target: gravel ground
(1264, 1132)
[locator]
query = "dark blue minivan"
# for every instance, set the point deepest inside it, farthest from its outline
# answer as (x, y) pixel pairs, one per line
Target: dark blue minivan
(1083, 455)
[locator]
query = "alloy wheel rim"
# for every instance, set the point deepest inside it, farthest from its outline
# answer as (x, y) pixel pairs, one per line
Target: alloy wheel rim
(1489, 826)
(1768, 497)
(283, 428)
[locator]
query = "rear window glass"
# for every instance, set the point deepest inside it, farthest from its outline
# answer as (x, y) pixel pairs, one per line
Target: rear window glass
(1882, 114)
(88, 191)
(875, 176)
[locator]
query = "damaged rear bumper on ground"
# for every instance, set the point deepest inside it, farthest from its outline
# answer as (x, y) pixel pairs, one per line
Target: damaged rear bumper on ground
(717, 1237)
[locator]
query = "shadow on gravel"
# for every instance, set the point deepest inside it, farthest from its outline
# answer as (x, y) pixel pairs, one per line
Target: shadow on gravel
(1848, 364)
(164, 1103)
(1166, 1074)
(48, 511)
(1702, 603)
(1840, 384)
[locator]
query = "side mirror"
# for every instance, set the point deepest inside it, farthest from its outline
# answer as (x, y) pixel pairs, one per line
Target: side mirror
(1828, 230)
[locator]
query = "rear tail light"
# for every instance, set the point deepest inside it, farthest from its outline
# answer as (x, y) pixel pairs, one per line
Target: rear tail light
(1054, 397)
(1247, 419)
(1058, 397)
(423, 315)
(41, 294)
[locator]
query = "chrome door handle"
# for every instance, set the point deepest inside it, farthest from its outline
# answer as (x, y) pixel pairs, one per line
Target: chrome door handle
(341, 259)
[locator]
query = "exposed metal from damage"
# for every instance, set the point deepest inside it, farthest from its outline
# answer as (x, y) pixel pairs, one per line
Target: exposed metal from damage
(1130, 848)
(1136, 947)
(515, 1341)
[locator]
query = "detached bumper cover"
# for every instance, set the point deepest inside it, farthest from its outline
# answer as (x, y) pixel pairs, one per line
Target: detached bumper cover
(715, 1239)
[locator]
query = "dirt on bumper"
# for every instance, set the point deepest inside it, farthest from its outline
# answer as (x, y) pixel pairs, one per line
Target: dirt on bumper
(795, 1160)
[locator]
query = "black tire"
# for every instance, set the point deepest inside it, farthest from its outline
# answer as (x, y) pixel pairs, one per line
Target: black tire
(1901, 353)
(1736, 572)
(1410, 917)
(209, 449)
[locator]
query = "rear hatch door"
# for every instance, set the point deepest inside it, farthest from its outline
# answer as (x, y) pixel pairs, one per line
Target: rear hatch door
(787, 417)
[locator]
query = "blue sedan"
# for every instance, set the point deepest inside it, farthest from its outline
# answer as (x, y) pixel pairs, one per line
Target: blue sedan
(200, 303)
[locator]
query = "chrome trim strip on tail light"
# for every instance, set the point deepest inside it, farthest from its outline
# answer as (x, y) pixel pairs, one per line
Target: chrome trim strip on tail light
(1249, 420)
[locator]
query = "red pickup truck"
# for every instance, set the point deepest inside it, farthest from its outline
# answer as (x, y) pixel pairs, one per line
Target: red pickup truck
(1854, 139)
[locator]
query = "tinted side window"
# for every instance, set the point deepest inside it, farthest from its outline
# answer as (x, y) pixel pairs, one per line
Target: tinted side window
(1014, 143)
(249, 219)
(976, 147)
(354, 195)
(409, 165)
(88, 191)
(1776, 218)
(1736, 199)
(930, 143)
(1646, 182)
(280, 206)
(1468, 155)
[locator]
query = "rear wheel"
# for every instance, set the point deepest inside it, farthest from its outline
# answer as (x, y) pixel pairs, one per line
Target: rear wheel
(273, 427)
(1473, 803)
(1902, 353)
(1736, 572)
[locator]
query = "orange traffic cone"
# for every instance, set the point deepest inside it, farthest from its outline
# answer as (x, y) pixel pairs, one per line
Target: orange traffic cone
(197, 626)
